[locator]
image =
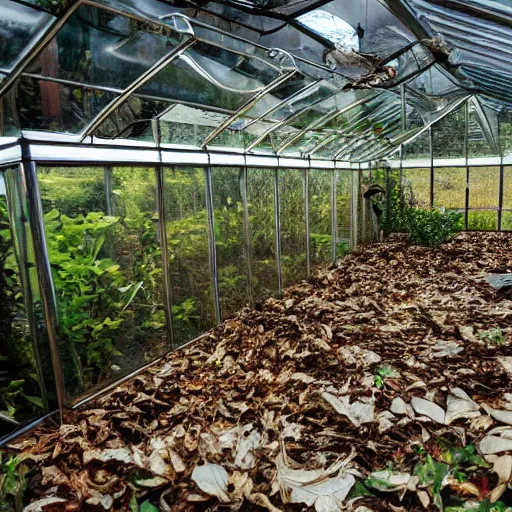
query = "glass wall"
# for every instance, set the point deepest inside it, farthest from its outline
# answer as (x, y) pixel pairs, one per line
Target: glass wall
(107, 272)
(320, 221)
(416, 183)
(261, 205)
(230, 240)
(450, 188)
(186, 220)
(25, 368)
(344, 184)
(484, 184)
(292, 225)
(506, 219)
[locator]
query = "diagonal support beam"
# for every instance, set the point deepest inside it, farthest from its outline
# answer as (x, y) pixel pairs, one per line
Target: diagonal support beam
(35, 51)
(249, 104)
(319, 122)
(141, 81)
(287, 120)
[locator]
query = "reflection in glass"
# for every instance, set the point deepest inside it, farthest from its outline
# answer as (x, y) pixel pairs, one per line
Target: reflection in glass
(44, 105)
(450, 187)
(292, 226)
(260, 198)
(106, 271)
(230, 239)
(22, 391)
(320, 236)
(187, 241)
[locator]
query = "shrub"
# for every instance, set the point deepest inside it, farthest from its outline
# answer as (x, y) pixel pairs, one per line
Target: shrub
(431, 227)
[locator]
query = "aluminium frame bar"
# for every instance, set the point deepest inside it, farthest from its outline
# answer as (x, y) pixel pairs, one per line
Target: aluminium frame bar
(212, 248)
(42, 260)
(248, 105)
(277, 223)
(136, 84)
(164, 249)
(305, 188)
(287, 101)
(319, 122)
(288, 120)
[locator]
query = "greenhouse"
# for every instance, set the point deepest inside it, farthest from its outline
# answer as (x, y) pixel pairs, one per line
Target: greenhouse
(256, 255)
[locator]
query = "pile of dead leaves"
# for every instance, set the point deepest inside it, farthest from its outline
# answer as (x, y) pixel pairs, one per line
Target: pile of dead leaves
(383, 384)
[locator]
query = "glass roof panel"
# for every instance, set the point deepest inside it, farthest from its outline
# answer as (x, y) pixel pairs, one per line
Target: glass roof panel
(332, 27)
(55, 107)
(99, 48)
(19, 26)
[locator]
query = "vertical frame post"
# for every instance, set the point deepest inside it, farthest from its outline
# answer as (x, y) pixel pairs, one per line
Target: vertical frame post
(466, 157)
(212, 249)
(354, 213)
(277, 220)
(431, 150)
(500, 196)
(164, 249)
(334, 214)
(18, 223)
(305, 188)
(48, 297)
(247, 233)
(403, 113)
(107, 184)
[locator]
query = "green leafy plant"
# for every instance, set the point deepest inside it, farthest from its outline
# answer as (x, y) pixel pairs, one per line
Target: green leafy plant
(493, 336)
(13, 483)
(432, 227)
(383, 372)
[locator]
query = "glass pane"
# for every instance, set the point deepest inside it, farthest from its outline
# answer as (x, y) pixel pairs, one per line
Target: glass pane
(478, 144)
(507, 187)
(416, 183)
(132, 120)
(213, 76)
(450, 187)
(230, 240)
(99, 48)
(418, 148)
(107, 271)
(320, 238)
(187, 239)
(22, 395)
(506, 221)
(260, 198)
(293, 226)
(20, 25)
(483, 220)
(449, 136)
(484, 183)
(343, 210)
(44, 105)
(9, 118)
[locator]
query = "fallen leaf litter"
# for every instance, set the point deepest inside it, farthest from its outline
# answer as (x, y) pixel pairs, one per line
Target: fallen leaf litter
(374, 387)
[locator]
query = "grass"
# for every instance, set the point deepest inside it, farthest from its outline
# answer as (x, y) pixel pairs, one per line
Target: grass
(450, 193)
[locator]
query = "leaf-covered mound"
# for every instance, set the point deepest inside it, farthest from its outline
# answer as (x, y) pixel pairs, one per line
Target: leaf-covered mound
(383, 384)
